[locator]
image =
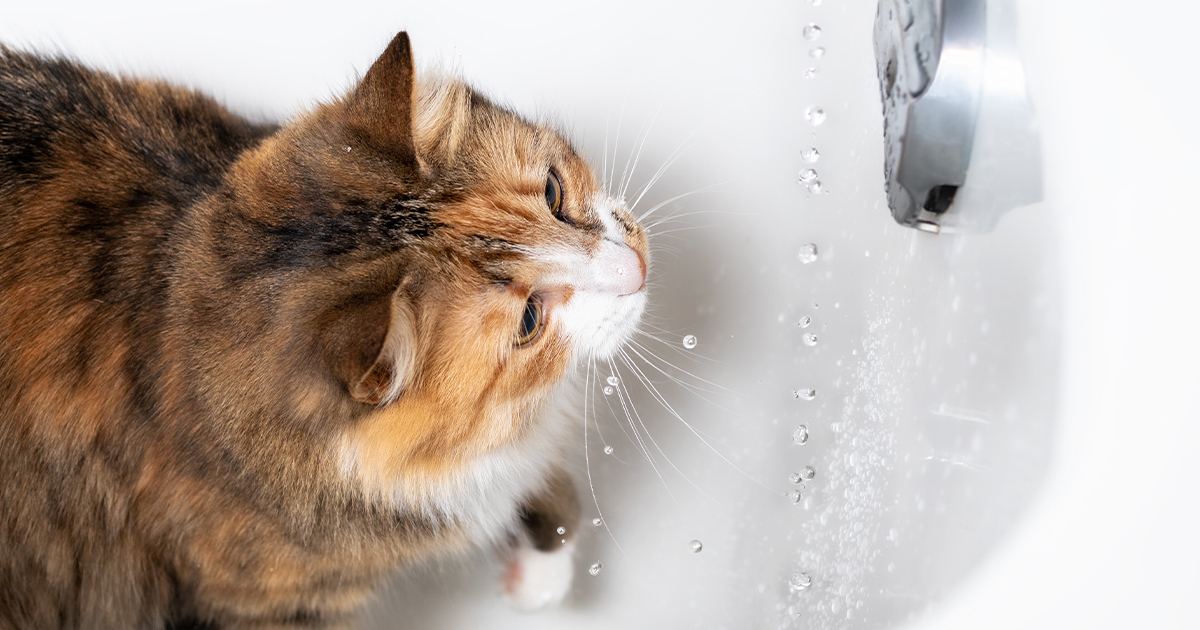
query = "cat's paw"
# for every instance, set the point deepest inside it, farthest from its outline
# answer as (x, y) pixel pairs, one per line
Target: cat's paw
(536, 579)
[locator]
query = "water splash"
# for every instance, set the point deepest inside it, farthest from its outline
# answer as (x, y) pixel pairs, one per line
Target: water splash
(804, 394)
(799, 581)
(815, 115)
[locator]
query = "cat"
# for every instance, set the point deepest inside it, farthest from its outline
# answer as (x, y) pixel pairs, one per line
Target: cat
(247, 371)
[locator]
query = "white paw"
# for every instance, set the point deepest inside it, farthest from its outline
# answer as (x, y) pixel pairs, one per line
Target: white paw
(534, 579)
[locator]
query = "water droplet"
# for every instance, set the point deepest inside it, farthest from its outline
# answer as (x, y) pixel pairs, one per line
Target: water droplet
(807, 175)
(696, 546)
(597, 522)
(891, 567)
(614, 381)
(812, 32)
(689, 342)
(808, 473)
(800, 435)
(799, 581)
(816, 3)
(595, 568)
(815, 115)
(808, 252)
(347, 149)
(810, 339)
(817, 52)
(608, 450)
(810, 73)
(805, 321)
(795, 496)
(795, 478)
(814, 187)
(805, 394)
(561, 530)
(608, 390)
(810, 154)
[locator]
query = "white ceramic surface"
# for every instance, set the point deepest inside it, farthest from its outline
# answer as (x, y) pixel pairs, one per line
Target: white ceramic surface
(960, 379)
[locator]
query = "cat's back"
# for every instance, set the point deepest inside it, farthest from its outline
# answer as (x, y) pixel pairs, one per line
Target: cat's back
(95, 170)
(97, 173)
(60, 119)
(97, 176)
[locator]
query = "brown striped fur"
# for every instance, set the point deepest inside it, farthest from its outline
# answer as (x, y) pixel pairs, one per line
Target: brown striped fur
(204, 324)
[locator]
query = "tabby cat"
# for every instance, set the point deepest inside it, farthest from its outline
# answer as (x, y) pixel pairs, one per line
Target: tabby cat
(247, 371)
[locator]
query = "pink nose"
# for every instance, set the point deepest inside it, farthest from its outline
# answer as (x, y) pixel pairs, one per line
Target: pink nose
(618, 269)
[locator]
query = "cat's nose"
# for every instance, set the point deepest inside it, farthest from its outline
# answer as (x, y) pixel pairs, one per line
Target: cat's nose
(619, 268)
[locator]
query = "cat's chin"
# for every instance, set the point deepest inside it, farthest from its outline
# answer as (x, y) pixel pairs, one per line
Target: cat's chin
(599, 324)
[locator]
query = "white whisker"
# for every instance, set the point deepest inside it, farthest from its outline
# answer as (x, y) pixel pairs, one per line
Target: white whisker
(641, 443)
(654, 392)
(671, 410)
(638, 154)
(587, 459)
(676, 367)
(643, 216)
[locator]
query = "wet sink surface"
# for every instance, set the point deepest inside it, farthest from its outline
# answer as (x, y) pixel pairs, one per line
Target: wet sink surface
(935, 366)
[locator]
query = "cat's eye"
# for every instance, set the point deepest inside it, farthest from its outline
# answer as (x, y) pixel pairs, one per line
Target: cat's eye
(554, 195)
(531, 321)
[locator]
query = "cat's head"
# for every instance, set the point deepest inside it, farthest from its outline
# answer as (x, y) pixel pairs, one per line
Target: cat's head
(448, 260)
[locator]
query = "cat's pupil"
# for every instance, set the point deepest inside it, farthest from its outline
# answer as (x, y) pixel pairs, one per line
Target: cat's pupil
(531, 321)
(553, 193)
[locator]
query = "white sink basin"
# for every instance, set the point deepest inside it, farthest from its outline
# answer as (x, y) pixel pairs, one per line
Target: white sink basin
(1001, 421)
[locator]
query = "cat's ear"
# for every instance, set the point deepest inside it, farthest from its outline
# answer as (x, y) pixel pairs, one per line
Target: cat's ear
(381, 107)
(370, 347)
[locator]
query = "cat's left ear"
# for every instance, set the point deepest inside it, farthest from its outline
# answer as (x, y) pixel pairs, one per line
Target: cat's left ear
(381, 106)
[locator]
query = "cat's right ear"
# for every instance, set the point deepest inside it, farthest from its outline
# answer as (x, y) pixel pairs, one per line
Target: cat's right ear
(381, 107)
(370, 346)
